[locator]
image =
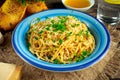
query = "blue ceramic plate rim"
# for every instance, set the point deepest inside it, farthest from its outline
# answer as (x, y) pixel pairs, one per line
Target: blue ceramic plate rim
(58, 67)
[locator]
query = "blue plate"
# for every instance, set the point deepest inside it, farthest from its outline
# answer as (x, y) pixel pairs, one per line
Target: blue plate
(99, 31)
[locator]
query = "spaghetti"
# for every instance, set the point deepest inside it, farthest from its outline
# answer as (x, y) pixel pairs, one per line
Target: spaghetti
(60, 40)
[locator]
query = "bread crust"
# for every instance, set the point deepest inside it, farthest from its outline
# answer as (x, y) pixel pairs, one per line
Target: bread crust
(11, 13)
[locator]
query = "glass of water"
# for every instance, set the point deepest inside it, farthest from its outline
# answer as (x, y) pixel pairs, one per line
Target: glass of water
(108, 13)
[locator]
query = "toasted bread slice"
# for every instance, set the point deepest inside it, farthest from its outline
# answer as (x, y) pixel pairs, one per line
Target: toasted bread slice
(11, 13)
(34, 7)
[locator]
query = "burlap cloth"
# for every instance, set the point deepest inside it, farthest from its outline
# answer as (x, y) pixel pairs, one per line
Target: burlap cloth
(106, 69)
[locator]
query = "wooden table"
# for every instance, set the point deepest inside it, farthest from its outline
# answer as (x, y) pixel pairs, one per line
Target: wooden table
(108, 68)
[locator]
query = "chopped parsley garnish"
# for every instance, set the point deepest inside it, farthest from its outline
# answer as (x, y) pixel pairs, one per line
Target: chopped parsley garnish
(87, 33)
(52, 21)
(60, 25)
(56, 61)
(85, 53)
(55, 30)
(38, 19)
(69, 34)
(54, 41)
(75, 25)
(41, 32)
(80, 33)
(60, 41)
(35, 21)
(27, 42)
(36, 38)
(79, 58)
(70, 59)
(63, 20)
(48, 28)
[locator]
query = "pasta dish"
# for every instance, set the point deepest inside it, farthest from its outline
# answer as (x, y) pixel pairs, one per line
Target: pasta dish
(60, 40)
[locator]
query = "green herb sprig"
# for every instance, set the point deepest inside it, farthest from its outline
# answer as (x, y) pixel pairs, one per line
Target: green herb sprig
(60, 25)
(24, 1)
(60, 41)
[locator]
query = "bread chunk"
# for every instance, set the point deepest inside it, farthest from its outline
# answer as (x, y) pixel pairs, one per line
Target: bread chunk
(11, 13)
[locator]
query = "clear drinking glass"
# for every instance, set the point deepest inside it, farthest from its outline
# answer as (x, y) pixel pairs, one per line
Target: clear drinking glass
(108, 13)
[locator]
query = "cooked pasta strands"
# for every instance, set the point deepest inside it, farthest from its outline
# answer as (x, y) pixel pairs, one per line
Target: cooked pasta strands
(62, 39)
